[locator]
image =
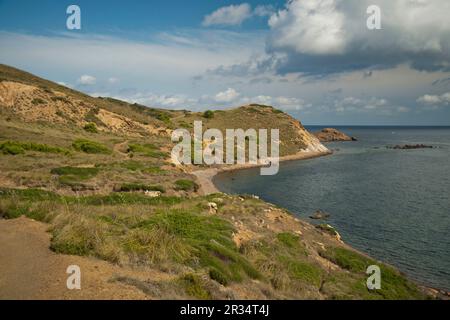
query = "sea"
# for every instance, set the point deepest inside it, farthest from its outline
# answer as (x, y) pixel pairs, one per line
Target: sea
(392, 204)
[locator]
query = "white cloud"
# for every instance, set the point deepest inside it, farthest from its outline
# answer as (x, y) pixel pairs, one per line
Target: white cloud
(373, 105)
(162, 62)
(87, 80)
(281, 102)
(232, 15)
(435, 100)
(309, 27)
(330, 36)
(264, 10)
(113, 80)
(227, 96)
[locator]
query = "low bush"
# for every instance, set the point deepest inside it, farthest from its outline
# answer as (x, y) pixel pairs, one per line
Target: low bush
(91, 127)
(91, 147)
(38, 101)
(129, 187)
(208, 114)
(17, 147)
(82, 173)
(148, 150)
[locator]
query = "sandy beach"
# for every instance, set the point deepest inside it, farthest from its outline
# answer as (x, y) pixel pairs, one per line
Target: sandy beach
(205, 177)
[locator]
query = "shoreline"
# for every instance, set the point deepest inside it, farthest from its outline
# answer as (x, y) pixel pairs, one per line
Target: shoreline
(205, 179)
(205, 176)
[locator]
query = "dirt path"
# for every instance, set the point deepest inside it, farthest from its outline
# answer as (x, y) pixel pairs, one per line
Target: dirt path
(119, 147)
(30, 270)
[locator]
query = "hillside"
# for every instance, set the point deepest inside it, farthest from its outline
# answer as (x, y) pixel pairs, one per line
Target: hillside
(80, 166)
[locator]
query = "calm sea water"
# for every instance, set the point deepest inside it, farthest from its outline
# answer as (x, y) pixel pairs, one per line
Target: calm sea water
(392, 204)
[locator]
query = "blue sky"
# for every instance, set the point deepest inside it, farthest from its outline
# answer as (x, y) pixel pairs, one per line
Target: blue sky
(315, 59)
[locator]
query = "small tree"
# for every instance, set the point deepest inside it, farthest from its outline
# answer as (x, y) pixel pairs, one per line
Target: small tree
(208, 114)
(91, 127)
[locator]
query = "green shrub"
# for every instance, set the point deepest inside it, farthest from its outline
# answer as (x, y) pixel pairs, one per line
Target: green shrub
(163, 116)
(208, 114)
(16, 147)
(60, 99)
(218, 276)
(90, 147)
(129, 187)
(288, 239)
(91, 116)
(78, 171)
(186, 185)
(11, 148)
(72, 176)
(91, 127)
(303, 271)
(148, 150)
(37, 101)
(347, 259)
(192, 285)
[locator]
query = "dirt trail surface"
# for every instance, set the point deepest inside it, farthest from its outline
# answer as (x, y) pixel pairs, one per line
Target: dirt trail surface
(30, 270)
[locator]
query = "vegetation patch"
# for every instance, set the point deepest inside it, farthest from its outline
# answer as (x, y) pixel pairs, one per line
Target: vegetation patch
(91, 127)
(208, 114)
(91, 147)
(80, 173)
(289, 239)
(347, 259)
(155, 171)
(37, 101)
(303, 271)
(394, 285)
(148, 150)
(16, 147)
(60, 99)
(91, 116)
(130, 187)
(186, 185)
(193, 286)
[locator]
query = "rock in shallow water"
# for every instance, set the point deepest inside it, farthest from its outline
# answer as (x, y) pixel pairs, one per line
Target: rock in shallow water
(320, 215)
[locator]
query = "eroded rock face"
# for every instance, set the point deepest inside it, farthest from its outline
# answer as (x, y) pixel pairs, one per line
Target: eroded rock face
(331, 134)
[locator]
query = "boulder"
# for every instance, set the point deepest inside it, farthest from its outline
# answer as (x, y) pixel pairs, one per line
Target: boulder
(212, 207)
(320, 215)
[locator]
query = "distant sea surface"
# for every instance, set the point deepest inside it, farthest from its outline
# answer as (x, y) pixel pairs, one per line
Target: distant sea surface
(391, 204)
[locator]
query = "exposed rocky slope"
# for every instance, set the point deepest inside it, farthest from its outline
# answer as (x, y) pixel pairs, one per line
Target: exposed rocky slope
(331, 134)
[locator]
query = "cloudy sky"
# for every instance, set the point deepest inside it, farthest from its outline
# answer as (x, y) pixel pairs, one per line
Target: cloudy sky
(315, 59)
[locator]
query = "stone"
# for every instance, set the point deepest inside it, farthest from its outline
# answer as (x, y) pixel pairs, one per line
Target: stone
(152, 194)
(212, 207)
(320, 215)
